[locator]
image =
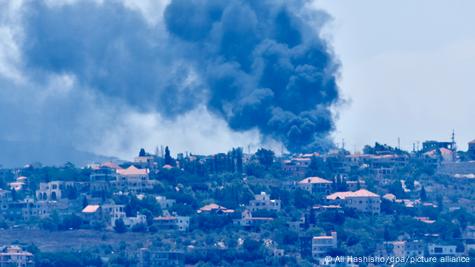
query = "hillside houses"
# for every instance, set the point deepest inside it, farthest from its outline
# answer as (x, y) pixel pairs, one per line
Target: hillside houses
(264, 202)
(315, 185)
(323, 244)
(133, 179)
(213, 209)
(361, 200)
(15, 256)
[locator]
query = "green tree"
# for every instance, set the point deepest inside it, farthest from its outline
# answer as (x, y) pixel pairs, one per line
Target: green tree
(140, 227)
(168, 158)
(142, 153)
(423, 194)
(119, 226)
(265, 157)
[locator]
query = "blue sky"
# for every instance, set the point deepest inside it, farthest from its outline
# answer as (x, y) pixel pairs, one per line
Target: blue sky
(407, 71)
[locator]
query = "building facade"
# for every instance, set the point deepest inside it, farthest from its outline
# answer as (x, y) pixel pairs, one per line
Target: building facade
(361, 200)
(323, 244)
(263, 202)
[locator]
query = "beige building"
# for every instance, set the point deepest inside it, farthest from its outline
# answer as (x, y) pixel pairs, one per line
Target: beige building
(323, 244)
(316, 185)
(215, 208)
(263, 202)
(14, 256)
(180, 223)
(134, 179)
(361, 200)
(50, 191)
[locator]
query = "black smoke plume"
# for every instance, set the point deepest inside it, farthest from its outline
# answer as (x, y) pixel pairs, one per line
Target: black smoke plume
(256, 64)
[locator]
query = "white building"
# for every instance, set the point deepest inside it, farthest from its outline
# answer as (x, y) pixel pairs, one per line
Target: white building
(323, 244)
(263, 202)
(43, 208)
(361, 200)
(442, 250)
(180, 223)
(113, 212)
(164, 202)
(137, 219)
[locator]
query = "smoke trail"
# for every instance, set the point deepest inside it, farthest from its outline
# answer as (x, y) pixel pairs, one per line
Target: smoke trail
(256, 64)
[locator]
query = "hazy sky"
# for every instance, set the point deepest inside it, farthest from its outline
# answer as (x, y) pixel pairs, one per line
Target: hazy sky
(408, 70)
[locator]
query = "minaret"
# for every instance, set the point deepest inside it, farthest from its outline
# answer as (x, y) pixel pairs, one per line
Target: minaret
(454, 146)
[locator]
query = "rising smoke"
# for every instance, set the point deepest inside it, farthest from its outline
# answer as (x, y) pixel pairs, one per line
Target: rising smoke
(256, 64)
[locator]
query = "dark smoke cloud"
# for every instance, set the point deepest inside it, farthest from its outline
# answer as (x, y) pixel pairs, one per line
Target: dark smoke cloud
(257, 64)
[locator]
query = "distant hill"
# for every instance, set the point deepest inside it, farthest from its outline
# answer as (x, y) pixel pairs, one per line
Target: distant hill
(18, 154)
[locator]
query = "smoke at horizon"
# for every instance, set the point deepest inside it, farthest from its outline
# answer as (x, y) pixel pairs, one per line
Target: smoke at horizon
(254, 64)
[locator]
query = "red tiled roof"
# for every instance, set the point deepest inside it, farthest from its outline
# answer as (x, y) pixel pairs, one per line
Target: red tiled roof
(90, 209)
(314, 180)
(165, 218)
(359, 193)
(214, 206)
(167, 166)
(132, 170)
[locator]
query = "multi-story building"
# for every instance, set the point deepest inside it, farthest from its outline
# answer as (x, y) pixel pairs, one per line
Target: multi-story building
(133, 179)
(263, 202)
(469, 237)
(414, 248)
(471, 149)
(249, 221)
(152, 258)
(164, 202)
(361, 200)
(43, 208)
(323, 244)
(14, 256)
(401, 249)
(113, 212)
(137, 219)
(5, 199)
(50, 191)
(316, 185)
(442, 250)
(101, 179)
(56, 190)
(145, 161)
(296, 167)
(180, 223)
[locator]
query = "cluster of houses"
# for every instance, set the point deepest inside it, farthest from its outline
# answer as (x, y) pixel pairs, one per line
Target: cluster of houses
(15, 256)
(61, 197)
(96, 207)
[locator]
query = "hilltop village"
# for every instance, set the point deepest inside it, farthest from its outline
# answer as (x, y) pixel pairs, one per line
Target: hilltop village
(235, 208)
